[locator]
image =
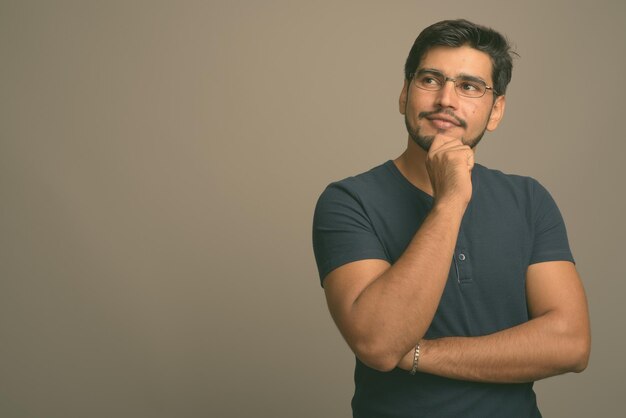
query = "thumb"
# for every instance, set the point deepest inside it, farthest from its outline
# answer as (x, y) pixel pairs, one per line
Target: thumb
(470, 161)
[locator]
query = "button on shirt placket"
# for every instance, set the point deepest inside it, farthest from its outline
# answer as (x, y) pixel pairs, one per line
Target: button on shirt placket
(462, 262)
(462, 266)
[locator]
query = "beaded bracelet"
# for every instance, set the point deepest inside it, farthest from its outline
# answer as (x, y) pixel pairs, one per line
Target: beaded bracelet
(416, 358)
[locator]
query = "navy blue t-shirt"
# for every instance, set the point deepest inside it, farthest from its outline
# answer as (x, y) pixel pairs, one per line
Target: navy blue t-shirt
(510, 223)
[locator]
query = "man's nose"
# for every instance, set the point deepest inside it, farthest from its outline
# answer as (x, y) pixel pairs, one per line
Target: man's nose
(447, 96)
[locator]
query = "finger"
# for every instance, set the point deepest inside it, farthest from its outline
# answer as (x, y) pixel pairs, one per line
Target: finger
(454, 145)
(449, 146)
(457, 154)
(441, 139)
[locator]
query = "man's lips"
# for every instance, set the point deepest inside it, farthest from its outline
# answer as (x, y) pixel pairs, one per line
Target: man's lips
(441, 124)
(443, 119)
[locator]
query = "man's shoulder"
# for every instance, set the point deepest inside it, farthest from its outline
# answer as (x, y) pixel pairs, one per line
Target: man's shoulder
(512, 189)
(375, 187)
(492, 173)
(374, 174)
(368, 182)
(493, 178)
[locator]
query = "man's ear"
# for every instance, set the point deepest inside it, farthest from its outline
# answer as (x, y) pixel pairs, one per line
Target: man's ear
(497, 112)
(403, 97)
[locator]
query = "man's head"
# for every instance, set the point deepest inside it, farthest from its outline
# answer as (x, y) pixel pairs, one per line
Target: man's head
(456, 33)
(456, 75)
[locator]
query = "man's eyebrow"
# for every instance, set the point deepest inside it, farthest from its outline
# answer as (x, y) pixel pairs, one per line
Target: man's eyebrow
(469, 77)
(461, 76)
(429, 70)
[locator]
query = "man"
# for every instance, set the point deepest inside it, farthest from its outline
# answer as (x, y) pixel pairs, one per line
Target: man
(453, 284)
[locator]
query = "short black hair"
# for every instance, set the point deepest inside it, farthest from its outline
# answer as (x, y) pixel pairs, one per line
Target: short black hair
(460, 32)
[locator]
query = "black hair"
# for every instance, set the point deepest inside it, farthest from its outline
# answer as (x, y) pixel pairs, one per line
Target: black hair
(460, 32)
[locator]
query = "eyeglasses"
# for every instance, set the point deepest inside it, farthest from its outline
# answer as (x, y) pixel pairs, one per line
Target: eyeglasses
(465, 86)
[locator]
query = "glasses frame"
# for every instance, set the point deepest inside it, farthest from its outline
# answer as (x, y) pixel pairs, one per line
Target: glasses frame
(445, 79)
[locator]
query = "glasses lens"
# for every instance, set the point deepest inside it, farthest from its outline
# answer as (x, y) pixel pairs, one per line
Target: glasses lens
(428, 81)
(469, 88)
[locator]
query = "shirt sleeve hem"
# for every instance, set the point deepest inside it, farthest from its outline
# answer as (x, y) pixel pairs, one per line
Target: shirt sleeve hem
(334, 263)
(555, 256)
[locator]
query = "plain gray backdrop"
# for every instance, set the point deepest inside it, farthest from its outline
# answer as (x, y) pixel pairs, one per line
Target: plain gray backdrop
(159, 166)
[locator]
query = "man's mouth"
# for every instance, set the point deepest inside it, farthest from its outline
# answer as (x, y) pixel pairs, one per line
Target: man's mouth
(443, 120)
(443, 124)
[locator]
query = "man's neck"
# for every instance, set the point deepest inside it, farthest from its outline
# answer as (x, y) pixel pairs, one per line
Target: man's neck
(412, 165)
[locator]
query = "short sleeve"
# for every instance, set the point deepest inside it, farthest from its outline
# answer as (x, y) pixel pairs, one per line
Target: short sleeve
(550, 241)
(342, 231)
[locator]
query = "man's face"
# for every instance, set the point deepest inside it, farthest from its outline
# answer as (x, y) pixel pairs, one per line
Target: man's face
(428, 113)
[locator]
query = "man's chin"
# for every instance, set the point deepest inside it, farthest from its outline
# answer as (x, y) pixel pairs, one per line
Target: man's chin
(424, 142)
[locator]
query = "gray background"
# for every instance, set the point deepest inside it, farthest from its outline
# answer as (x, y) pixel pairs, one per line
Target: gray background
(159, 166)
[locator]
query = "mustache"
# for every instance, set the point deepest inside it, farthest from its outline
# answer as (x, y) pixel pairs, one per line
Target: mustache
(448, 112)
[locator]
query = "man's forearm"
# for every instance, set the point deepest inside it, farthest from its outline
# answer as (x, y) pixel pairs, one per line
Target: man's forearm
(539, 348)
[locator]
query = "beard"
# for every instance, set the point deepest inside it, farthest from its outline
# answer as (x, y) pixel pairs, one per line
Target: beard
(425, 141)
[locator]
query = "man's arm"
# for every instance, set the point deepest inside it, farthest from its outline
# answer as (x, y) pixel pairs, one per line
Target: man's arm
(555, 340)
(382, 310)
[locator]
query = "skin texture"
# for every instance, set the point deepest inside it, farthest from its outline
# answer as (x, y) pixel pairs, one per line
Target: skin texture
(383, 310)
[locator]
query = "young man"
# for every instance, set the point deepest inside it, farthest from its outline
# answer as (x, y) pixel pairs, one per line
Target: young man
(453, 284)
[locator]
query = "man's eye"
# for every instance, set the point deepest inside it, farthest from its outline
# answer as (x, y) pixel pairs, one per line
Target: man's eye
(468, 86)
(429, 81)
